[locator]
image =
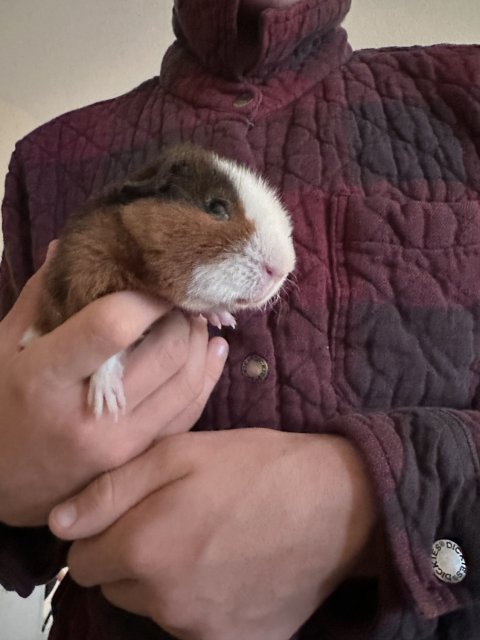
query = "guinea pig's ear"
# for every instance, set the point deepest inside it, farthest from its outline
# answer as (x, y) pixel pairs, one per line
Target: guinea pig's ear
(154, 181)
(146, 184)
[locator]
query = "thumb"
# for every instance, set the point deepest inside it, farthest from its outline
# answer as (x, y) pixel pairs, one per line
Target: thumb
(23, 313)
(112, 494)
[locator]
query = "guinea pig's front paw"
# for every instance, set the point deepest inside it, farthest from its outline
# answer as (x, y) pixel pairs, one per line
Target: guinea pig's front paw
(106, 387)
(220, 318)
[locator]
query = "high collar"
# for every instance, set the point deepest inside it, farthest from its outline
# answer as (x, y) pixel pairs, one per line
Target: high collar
(236, 46)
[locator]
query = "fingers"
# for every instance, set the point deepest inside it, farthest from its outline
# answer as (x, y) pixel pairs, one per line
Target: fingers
(115, 492)
(75, 349)
(112, 494)
(123, 550)
(186, 387)
(161, 354)
(215, 361)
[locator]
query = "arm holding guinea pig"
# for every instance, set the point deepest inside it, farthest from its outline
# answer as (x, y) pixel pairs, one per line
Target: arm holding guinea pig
(176, 233)
(50, 445)
(225, 535)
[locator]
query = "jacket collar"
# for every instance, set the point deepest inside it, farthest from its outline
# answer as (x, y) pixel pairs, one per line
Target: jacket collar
(236, 45)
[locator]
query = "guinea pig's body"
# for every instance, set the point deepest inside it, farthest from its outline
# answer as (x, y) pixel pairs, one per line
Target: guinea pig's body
(197, 230)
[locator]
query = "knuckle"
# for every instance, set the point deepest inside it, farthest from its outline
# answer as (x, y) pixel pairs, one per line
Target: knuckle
(116, 334)
(107, 326)
(121, 333)
(103, 493)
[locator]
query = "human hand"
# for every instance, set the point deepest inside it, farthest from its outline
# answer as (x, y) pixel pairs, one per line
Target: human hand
(50, 444)
(223, 535)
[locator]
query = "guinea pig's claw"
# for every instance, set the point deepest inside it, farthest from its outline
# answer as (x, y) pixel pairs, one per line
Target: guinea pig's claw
(230, 321)
(221, 319)
(106, 388)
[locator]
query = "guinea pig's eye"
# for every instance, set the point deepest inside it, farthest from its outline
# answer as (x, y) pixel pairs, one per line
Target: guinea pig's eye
(217, 208)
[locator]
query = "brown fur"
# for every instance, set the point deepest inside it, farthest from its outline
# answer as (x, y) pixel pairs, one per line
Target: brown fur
(147, 234)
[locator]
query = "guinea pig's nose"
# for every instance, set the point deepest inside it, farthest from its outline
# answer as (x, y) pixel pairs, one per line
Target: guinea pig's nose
(271, 271)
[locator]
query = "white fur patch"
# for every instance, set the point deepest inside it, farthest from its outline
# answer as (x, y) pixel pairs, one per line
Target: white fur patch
(273, 235)
(106, 387)
(218, 287)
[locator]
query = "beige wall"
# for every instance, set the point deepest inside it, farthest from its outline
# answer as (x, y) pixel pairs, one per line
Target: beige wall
(57, 55)
(386, 23)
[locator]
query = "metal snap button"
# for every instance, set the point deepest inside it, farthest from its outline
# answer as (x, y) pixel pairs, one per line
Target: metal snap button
(255, 368)
(448, 561)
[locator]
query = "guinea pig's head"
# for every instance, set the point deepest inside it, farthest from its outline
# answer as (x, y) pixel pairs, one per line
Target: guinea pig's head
(215, 233)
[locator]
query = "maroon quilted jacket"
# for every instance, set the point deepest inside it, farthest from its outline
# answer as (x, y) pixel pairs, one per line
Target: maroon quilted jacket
(377, 155)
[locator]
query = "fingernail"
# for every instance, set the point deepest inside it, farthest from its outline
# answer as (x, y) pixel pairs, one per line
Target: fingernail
(65, 515)
(221, 348)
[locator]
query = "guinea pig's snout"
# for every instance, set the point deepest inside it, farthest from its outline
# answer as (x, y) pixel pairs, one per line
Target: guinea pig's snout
(270, 279)
(271, 275)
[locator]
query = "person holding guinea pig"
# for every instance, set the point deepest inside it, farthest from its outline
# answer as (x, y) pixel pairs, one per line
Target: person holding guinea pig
(313, 472)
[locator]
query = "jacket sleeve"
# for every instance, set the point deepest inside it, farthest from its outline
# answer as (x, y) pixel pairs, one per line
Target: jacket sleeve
(17, 264)
(27, 556)
(425, 468)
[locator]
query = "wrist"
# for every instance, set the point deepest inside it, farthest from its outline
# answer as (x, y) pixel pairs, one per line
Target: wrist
(346, 506)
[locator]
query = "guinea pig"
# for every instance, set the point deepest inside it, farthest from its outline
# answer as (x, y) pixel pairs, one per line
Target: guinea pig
(195, 229)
